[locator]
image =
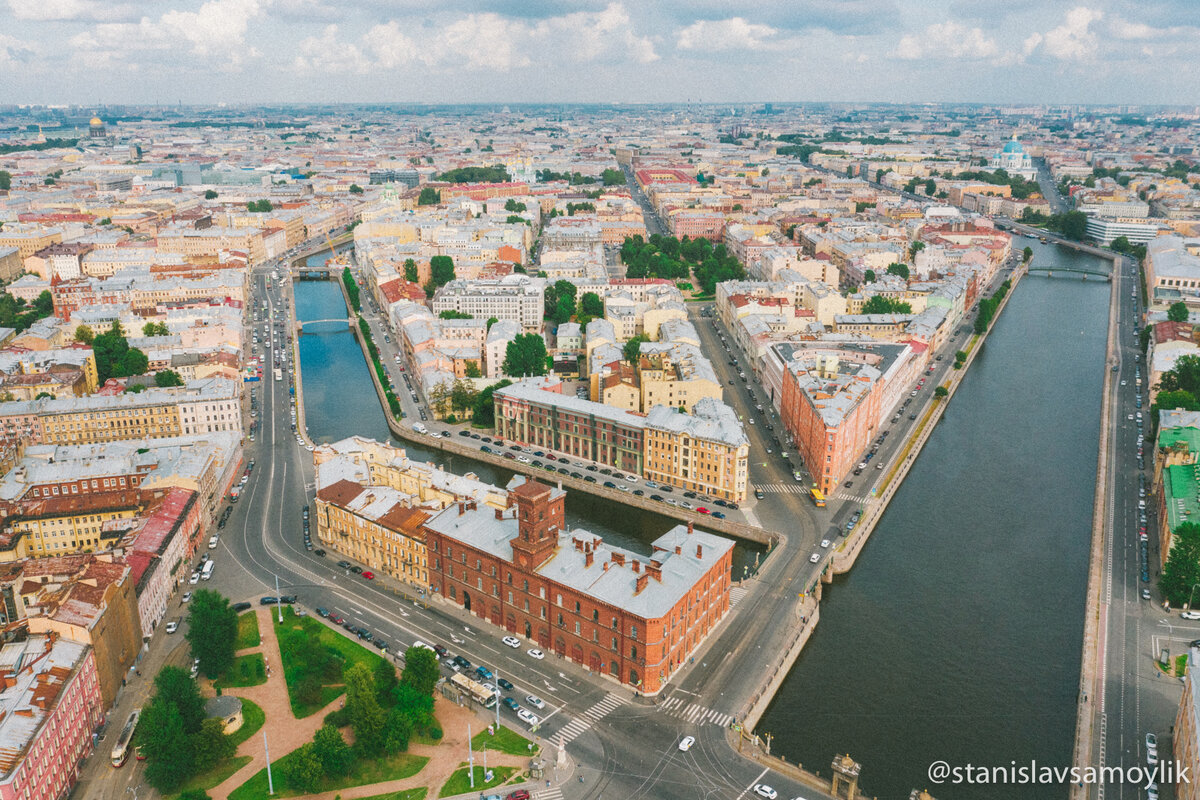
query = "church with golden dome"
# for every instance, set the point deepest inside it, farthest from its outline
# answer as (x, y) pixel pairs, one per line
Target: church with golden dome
(96, 129)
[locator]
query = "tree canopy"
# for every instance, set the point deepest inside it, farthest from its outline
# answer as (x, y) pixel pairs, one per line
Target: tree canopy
(880, 304)
(633, 348)
(525, 356)
(559, 301)
(494, 174)
(1182, 570)
(429, 197)
(441, 270)
(1177, 312)
(212, 631)
(167, 377)
(485, 410)
(115, 358)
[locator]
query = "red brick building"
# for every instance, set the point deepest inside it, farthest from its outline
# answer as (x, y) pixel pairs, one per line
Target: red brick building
(611, 610)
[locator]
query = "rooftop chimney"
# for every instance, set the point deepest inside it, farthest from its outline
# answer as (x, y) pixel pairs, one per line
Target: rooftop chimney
(618, 558)
(691, 530)
(642, 580)
(589, 558)
(637, 567)
(699, 551)
(461, 508)
(499, 513)
(678, 550)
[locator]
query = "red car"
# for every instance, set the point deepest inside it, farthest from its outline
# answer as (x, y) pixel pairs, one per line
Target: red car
(519, 794)
(702, 510)
(369, 575)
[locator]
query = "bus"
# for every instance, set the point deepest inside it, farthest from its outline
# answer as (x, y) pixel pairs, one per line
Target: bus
(120, 751)
(477, 691)
(278, 374)
(817, 496)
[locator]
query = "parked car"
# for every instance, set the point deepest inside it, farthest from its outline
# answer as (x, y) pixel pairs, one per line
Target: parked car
(240, 607)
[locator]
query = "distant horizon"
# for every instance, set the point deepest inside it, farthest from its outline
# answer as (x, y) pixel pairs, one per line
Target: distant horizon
(456, 52)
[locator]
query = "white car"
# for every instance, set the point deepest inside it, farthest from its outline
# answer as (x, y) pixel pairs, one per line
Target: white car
(195, 667)
(1192, 615)
(511, 641)
(172, 626)
(825, 543)
(528, 718)
(762, 790)
(187, 597)
(535, 701)
(815, 557)
(194, 579)
(686, 743)
(535, 653)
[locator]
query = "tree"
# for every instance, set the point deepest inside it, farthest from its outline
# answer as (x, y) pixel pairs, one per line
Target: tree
(355, 189)
(491, 321)
(462, 396)
(194, 794)
(591, 305)
(156, 329)
(5, 180)
(114, 357)
(397, 731)
(898, 269)
(330, 748)
(869, 276)
(175, 686)
(84, 334)
(525, 356)
(410, 270)
(169, 757)
(450, 313)
(429, 197)
(1178, 312)
(386, 681)
(210, 745)
(513, 206)
(167, 377)
(941, 391)
(212, 631)
(485, 409)
(1073, 225)
(880, 304)
(1182, 570)
(1027, 254)
(420, 670)
(210, 194)
(133, 362)
(472, 370)
(1185, 375)
(362, 708)
(633, 348)
(1178, 399)
(915, 248)
(304, 768)
(559, 301)
(441, 270)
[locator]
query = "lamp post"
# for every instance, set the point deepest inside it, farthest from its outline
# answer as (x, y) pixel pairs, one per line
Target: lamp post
(1190, 596)
(470, 758)
(267, 749)
(277, 603)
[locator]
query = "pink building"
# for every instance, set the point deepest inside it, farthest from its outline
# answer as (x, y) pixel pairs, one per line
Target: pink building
(52, 704)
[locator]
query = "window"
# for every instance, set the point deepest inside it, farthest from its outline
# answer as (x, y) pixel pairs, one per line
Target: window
(633, 631)
(560, 619)
(633, 651)
(576, 606)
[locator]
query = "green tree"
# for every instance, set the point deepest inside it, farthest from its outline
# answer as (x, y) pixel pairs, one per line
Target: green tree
(1177, 312)
(330, 748)
(420, 670)
(450, 313)
(869, 276)
(1182, 570)
(1185, 375)
(386, 681)
(525, 356)
(167, 377)
(5, 180)
(485, 411)
(366, 716)
(1177, 399)
(156, 329)
(441, 270)
(898, 269)
(410, 270)
(355, 189)
(351, 289)
(194, 794)
(304, 768)
(212, 631)
(612, 177)
(462, 396)
(915, 248)
(210, 194)
(879, 304)
(84, 334)
(513, 206)
(472, 370)
(633, 348)
(210, 745)
(169, 757)
(397, 731)
(491, 321)
(1027, 254)
(941, 391)
(175, 686)
(429, 197)
(1073, 225)
(133, 362)
(591, 305)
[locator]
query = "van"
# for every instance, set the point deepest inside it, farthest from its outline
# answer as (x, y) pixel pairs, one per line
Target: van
(212, 542)
(419, 428)
(207, 572)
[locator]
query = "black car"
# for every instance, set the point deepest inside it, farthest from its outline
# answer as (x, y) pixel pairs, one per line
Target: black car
(287, 599)
(691, 495)
(732, 505)
(657, 497)
(441, 651)
(577, 475)
(344, 564)
(321, 612)
(606, 471)
(464, 433)
(241, 606)
(319, 552)
(592, 468)
(220, 523)
(639, 492)
(609, 485)
(665, 488)
(268, 601)
(589, 479)
(504, 684)
(719, 502)
(462, 662)
(381, 644)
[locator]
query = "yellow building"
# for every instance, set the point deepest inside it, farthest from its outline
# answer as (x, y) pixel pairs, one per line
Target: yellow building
(89, 425)
(706, 451)
(679, 377)
(30, 241)
(374, 526)
(66, 526)
(211, 241)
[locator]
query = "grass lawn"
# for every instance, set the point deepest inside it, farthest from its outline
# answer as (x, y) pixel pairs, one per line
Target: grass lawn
(408, 794)
(460, 781)
(247, 670)
(505, 740)
(252, 722)
(296, 633)
(215, 776)
(402, 765)
(247, 635)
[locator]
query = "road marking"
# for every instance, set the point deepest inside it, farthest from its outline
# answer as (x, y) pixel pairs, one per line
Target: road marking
(753, 783)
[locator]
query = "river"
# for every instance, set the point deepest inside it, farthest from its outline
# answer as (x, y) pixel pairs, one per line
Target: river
(957, 636)
(340, 401)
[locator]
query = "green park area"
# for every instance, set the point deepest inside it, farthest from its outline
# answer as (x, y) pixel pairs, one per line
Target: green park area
(315, 660)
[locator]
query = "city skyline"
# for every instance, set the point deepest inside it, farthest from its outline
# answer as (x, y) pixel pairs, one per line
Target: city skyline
(473, 51)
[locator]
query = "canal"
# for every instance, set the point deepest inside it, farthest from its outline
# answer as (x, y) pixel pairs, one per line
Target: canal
(340, 401)
(957, 636)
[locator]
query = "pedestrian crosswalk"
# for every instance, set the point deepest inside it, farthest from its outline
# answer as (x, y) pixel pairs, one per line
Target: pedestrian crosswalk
(782, 488)
(736, 594)
(694, 713)
(573, 729)
(553, 793)
(857, 498)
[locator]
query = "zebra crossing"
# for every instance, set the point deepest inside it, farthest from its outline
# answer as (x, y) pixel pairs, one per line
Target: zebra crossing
(736, 594)
(849, 496)
(553, 793)
(694, 713)
(800, 488)
(573, 729)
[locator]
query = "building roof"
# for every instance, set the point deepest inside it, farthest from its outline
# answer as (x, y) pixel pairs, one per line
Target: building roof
(35, 671)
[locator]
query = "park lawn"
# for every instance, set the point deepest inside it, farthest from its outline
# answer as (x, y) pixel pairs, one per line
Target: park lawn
(363, 773)
(407, 794)
(247, 670)
(293, 635)
(252, 721)
(504, 740)
(460, 781)
(247, 635)
(214, 777)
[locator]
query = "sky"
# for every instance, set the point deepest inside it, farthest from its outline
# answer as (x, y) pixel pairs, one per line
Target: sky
(96, 52)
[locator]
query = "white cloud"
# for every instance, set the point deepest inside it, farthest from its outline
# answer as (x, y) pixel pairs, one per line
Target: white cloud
(14, 53)
(727, 34)
(218, 27)
(60, 10)
(1128, 30)
(947, 40)
(1073, 40)
(325, 53)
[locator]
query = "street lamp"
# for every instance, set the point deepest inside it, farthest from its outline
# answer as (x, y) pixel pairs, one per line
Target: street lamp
(1192, 594)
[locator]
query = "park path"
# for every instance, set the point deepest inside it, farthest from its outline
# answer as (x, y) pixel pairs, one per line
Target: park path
(285, 732)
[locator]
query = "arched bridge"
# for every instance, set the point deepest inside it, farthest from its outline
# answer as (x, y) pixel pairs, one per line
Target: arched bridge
(1099, 273)
(344, 320)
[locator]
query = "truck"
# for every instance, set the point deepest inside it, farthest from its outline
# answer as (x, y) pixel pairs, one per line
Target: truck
(278, 374)
(475, 690)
